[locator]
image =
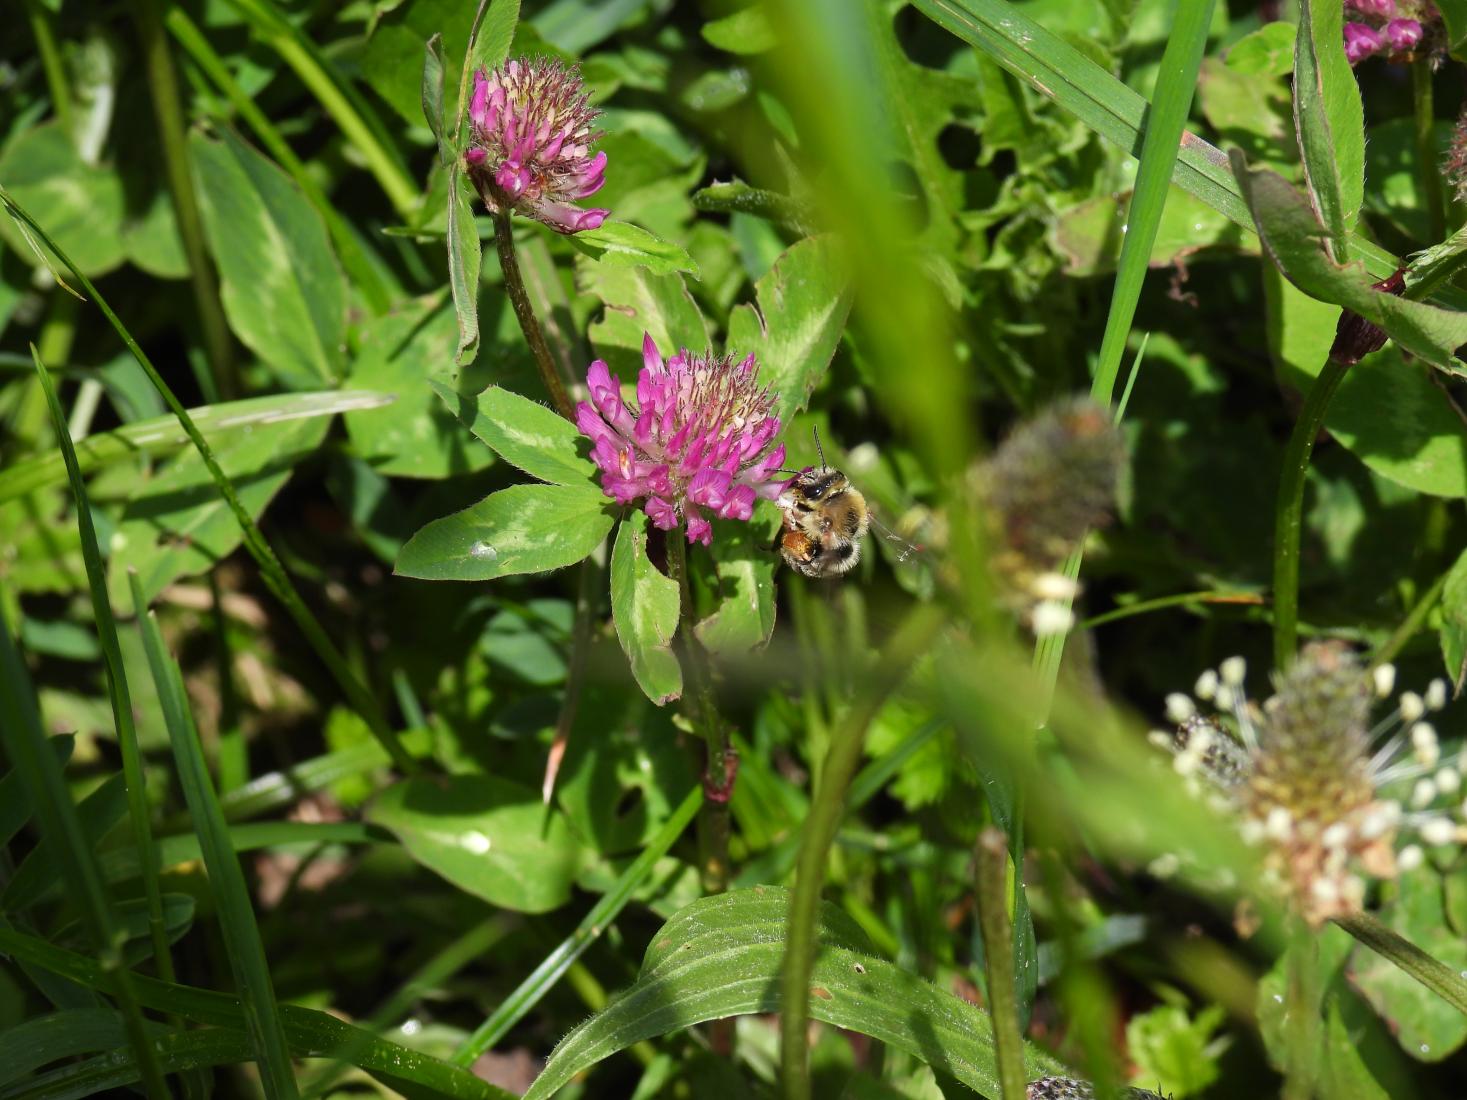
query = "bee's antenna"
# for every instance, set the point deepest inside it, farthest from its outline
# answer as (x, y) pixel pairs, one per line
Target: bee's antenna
(818, 448)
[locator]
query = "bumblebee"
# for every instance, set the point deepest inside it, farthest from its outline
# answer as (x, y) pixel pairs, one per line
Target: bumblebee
(825, 522)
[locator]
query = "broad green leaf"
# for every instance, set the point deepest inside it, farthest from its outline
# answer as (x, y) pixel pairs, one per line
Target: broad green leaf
(1454, 15)
(415, 436)
(79, 204)
(522, 529)
(627, 245)
(524, 433)
(745, 560)
(496, 33)
(1330, 121)
(1170, 1049)
(1454, 622)
(281, 286)
(1086, 235)
(465, 258)
(1291, 236)
(574, 26)
(1346, 1074)
(746, 31)
(637, 301)
(485, 835)
(721, 956)
(1427, 1027)
(392, 59)
(802, 306)
(162, 435)
(151, 239)
(178, 525)
(1268, 51)
(644, 607)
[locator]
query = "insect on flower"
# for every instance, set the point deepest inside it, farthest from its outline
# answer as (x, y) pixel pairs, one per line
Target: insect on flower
(1326, 794)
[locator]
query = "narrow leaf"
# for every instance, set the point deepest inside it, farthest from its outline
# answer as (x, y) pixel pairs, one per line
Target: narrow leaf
(720, 957)
(1292, 237)
(522, 529)
(644, 607)
(1330, 121)
(433, 93)
(226, 878)
(465, 257)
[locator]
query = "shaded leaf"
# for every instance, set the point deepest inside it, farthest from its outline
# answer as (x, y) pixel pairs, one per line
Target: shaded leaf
(638, 301)
(746, 31)
(465, 259)
(282, 289)
(78, 204)
(1329, 120)
(742, 555)
(1454, 626)
(644, 607)
(432, 93)
(522, 529)
(488, 836)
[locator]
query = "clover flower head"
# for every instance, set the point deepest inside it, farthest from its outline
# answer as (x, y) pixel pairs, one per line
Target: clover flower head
(1048, 484)
(530, 145)
(1403, 34)
(1361, 41)
(1379, 9)
(697, 443)
(1329, 796)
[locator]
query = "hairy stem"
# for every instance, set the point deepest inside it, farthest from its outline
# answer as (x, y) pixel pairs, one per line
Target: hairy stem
(991, 888)
(915, 634)
(514, 284)
(1301, 1029)
(1426, 153)
(168, 110)
(720, 759)
(1289, 510)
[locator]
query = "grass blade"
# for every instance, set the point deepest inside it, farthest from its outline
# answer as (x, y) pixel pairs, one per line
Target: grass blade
(529, 992)
(272, 572)
(236, 915)
(25, 744)
(311, 1033)
(117, 691)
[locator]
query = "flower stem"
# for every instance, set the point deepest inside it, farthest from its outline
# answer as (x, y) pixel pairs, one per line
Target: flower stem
(1301, 1028)
(912, 638)
(991, 888)
(168, 110)
(514, 284)
(1426, 154)
(1289, 508)
(52, 64)
(1415, 619)
(720, 759)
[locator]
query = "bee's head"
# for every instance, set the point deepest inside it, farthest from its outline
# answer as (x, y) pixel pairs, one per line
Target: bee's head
(816, 483)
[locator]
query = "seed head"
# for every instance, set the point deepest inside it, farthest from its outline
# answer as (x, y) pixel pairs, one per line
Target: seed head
(699, 437)
(530, 146)
(1069, 1088)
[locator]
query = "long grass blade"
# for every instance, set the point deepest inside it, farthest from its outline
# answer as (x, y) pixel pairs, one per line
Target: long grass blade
(25, 744)
(117, 691)
(226, 878)
(271, 570)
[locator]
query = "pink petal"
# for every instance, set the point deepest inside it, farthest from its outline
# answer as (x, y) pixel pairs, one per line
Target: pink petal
(740, 503)
(699, 530)
(663, 514)
(479, 104)
(709, 488)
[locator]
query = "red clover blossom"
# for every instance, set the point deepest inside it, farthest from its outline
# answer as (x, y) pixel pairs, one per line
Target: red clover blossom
(1385, 27)
(698, 438)
(530, 147)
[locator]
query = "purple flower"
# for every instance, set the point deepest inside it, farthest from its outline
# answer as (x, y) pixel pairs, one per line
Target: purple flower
(530, 144)
(1381, 9)
(696, 443)
(1403, 34)
(1361, 42)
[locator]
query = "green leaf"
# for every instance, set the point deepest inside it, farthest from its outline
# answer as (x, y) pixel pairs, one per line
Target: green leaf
(524, 433)
(802, 307)
(33, 1043)
(1428, 1027)
(488, 836)
(1268, 51)
(465, 258)
(747, 31)
(737, 197)
(1292, 236)
(415, 436)
(744, 618)
(1330, 121)
(178, 525)
(241, 934)
(1454, 15)
(721, 956)
(80, 204)
(1170, 1049)
(644, 607)
(432, 94)
(627, 245)
(522, 529)
(281, 286)
(495, 34)
(1454, 622)
(638, 301)
(162, 435)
